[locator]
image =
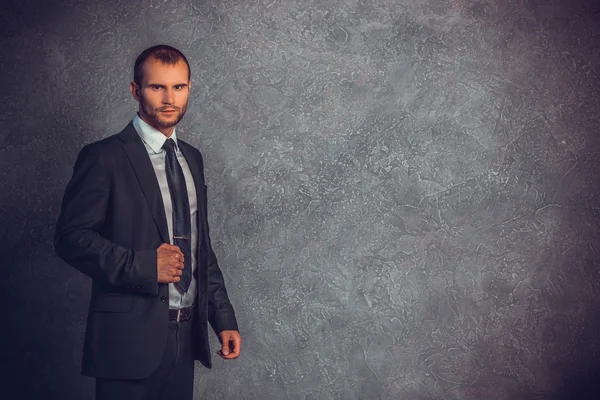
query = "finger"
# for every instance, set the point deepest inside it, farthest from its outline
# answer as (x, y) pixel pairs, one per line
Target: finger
(170, 247)
(226, 357)
(178, 264)
(225, 345)
(236, 343)
(176, 249)
(177, 260)
(177, 255)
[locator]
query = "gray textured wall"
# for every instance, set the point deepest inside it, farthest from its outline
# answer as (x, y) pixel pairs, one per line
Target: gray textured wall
(403, 195)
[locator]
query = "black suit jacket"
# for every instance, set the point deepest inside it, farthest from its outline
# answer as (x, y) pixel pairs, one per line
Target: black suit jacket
(111, 222)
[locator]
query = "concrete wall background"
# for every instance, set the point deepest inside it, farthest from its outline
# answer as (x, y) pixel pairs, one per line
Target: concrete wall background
(402, 194)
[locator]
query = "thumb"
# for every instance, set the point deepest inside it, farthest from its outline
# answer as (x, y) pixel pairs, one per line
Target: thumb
(225, 345)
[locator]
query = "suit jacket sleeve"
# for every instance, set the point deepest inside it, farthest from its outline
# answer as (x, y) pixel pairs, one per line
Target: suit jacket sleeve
(220, 311)
(77, 238)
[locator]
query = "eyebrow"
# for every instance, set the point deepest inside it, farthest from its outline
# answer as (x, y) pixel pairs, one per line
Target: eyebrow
(162, 86)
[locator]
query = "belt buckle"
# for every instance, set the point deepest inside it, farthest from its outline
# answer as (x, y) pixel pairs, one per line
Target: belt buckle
(178, 314)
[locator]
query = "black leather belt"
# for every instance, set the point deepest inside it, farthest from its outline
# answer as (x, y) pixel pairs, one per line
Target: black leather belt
(182, 314)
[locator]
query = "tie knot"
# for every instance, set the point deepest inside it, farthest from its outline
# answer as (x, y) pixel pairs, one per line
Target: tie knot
(169, 145)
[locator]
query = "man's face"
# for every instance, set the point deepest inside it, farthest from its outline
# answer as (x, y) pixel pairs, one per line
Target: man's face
(163, 95)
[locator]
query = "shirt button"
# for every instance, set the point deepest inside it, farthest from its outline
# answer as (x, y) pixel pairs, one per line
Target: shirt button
(163, 298)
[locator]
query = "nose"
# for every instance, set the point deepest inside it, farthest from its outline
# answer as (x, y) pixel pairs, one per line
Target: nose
(168, 96)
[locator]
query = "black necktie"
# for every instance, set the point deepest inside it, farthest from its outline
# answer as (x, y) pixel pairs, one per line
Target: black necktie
(181, 212)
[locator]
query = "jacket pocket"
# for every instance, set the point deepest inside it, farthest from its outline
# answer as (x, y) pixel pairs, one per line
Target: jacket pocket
(111, 303)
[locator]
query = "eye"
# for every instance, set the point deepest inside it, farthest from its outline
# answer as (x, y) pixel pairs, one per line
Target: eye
(155, 87)
(178, 87)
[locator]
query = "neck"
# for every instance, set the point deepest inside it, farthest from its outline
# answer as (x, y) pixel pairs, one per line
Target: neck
(165, 131)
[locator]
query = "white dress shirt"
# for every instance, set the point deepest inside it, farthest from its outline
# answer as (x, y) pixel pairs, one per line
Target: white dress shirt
(153, 141)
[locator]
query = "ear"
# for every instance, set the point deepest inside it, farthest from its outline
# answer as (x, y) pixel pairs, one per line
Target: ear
(135, 90)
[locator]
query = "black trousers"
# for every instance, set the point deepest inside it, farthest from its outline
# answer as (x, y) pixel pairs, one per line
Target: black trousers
(173, 379)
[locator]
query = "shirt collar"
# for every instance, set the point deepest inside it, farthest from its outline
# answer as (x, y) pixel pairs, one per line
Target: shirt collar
(152, 136)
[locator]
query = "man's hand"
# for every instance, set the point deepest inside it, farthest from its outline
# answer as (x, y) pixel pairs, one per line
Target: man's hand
(169, 263)
(231, 343)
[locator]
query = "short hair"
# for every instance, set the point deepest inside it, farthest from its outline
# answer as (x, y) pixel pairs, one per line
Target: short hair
(161, 52)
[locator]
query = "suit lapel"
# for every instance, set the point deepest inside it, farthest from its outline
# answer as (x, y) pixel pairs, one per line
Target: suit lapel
(142, 166)
(195, 168)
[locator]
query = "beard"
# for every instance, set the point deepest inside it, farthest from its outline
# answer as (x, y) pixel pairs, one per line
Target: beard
(153, 114)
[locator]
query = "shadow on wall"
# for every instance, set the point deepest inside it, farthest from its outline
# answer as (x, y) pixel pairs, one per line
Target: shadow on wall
(46, 300)
(581, 384)
(578, 368)
(578, 332)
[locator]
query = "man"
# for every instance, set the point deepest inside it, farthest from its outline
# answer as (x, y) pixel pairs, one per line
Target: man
(134, 219)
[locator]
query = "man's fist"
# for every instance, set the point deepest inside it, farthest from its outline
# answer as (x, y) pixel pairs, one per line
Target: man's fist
(231, 343)
(169, 263)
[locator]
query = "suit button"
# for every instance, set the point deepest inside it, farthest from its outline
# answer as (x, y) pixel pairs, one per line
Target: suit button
(163, 298)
